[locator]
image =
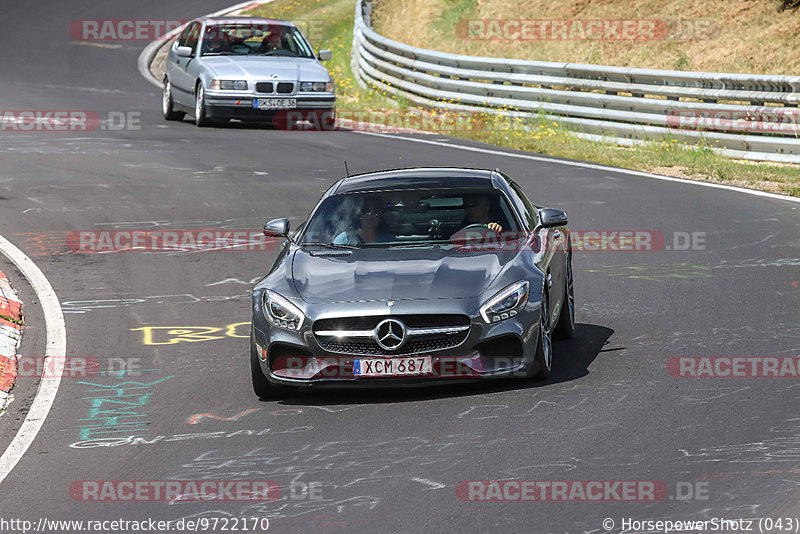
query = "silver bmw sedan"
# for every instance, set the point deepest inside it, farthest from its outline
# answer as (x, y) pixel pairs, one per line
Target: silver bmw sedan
(249, 69)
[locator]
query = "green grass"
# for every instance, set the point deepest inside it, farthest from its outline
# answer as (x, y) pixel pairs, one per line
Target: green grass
(538, 135)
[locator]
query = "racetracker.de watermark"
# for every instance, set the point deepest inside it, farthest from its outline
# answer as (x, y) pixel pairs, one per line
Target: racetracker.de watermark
(174, 490)
(610, 240)
(381, 121)
(207, 240)
(47, 367)
(585, 29)
(155, 29)
(734, 366)
(776, 120)
(44, 120)
(561, 490)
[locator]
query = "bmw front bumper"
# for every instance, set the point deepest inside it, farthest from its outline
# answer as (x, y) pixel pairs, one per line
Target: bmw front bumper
(232, 104)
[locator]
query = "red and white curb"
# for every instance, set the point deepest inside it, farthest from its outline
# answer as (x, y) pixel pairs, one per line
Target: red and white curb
(10, 336)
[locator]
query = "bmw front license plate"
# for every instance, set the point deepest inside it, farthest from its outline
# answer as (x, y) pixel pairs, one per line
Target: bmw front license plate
(392, 366)
(275, 103)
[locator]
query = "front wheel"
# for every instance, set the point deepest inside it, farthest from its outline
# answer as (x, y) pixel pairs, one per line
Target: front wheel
(167, 105)
(261, 386)
(544, 349)
(565, 327)
(200, 118)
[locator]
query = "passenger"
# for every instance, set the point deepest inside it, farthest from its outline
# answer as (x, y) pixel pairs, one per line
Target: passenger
(369, 226)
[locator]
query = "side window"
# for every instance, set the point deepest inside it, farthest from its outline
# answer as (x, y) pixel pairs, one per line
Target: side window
(185, 35)
(525, 207)
(193, 37)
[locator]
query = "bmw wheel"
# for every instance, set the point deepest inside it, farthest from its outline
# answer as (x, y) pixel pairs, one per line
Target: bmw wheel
(167, 105)
(200, 118)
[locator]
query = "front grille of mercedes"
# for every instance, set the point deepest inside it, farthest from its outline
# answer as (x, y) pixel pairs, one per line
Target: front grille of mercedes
(417, 344)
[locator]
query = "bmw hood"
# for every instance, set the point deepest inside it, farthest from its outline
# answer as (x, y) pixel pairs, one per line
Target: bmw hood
(324, 276)
(263, 68)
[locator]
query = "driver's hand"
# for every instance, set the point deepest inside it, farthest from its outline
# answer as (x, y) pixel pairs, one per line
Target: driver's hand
(495, 227)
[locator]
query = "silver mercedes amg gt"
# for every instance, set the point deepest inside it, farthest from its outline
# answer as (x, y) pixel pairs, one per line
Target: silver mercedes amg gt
(246, 68)
(413, 275)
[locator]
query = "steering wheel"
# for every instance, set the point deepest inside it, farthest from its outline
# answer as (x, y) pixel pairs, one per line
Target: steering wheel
(460, 234)
(240, 48)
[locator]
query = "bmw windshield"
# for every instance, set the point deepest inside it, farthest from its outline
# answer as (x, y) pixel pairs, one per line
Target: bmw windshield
(389, 218)
(255, 40)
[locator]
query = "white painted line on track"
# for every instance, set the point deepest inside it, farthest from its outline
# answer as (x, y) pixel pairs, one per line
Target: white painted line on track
(586, 165)
(56, 348)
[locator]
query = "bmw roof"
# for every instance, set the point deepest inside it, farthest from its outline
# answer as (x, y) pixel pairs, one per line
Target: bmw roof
(244, 20)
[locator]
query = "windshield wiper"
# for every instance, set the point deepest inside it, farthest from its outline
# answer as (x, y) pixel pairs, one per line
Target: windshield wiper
(420, 243)
(330, 245)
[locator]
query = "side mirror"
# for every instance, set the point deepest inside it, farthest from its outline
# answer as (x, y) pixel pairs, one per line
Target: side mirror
(551, 217)
(325, 55)
(184, 51)
(277, 228)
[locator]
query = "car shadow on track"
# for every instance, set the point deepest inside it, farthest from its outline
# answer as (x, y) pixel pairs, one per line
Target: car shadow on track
(572, 359)
(271, 126)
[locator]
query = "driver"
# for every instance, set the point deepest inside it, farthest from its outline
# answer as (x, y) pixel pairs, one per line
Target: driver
(476, 211)
(272, 42)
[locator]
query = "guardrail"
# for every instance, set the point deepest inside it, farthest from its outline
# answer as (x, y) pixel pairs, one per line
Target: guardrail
(745, 116)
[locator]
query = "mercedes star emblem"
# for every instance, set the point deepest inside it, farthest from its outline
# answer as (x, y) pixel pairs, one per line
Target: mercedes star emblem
(390, 334)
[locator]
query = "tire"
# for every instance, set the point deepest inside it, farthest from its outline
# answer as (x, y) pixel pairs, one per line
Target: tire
(261, 386)
(200, 118)
(544, 346)
(565, 327)
(167, 105)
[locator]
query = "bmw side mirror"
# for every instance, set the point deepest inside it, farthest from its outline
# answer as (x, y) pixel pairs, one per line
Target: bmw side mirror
(184, 51)
(552, 217)
(325, 55)
(277, 228)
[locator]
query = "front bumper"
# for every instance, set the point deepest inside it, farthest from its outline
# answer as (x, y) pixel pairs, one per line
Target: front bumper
(501, 350)
(231, 104)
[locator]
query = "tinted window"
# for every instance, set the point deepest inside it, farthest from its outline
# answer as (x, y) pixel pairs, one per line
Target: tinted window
(406, 216)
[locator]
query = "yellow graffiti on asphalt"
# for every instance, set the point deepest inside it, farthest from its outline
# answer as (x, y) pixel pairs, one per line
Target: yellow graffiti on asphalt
(170, 335)
(656, 273)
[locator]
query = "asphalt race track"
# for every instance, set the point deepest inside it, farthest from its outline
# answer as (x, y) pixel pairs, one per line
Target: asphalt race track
(376, 461)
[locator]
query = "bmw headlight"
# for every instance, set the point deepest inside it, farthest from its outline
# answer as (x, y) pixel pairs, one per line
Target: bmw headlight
(507, 303)
(229, 85)
(317, 87)
(282, 313)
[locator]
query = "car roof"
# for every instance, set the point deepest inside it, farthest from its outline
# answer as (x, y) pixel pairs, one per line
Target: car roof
(244, 20)
(417, 178)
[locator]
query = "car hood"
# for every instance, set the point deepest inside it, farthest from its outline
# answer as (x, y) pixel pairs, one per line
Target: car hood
(263, 67)
(324, 276)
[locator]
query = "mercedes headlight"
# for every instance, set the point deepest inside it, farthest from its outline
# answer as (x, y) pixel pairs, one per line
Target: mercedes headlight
(507, 303)
(282, 313)
(229, 85)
